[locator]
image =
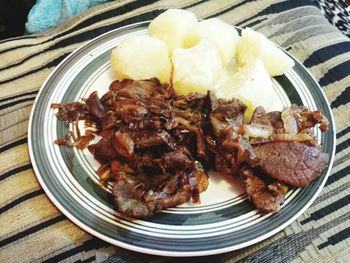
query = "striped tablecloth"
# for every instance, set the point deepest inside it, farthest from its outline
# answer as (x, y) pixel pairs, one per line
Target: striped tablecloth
(33, 229)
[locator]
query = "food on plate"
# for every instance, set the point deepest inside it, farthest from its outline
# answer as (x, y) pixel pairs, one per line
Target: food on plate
(196, 69)
(141, 57)
(156, 147)
(222, 35)
(185, 102)
(196, 56)
(253, 45)
(172, 27)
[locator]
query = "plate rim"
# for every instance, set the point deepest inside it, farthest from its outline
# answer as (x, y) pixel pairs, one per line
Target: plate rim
(136, 248)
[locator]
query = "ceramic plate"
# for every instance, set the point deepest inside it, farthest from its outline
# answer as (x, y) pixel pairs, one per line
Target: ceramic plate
(224, 221)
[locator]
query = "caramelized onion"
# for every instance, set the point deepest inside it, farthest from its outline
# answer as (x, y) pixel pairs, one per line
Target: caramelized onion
(289, 122)
(258, 130)
(300, 137)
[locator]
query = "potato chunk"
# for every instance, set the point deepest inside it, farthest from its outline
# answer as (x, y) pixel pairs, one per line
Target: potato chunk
(172, 27)
(222, 35)
(254, 45)
(196, 69)
(141, 57)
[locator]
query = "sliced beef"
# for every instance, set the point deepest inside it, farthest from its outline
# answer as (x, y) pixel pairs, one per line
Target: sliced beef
(177, 159)
(149, 138)
(104, 151)
(128, 192)
(138, 197)
(292, 163)
(267, 198)
(146, 89)
(95, 106)
(225, 114)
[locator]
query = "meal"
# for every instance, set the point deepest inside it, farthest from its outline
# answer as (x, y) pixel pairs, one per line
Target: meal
(170, 117)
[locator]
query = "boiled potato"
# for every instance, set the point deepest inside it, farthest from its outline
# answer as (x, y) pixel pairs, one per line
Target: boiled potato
(253, 45)
(223, 36)
(251, 84)
(172, 27)
(196, 69)
(141, 57)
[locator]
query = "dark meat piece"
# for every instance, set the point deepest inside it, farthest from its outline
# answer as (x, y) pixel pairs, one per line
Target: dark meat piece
(128, 194)
(225, 114)
(159, 200)
(95, 106)
(70, 111)
(191, 107)
(260, 116)
(123, 144)
(177, 159)
(198, 181)
(200, 143)
(292, 163)
(110, 120)
(147, 89)
(149, 138)
(103, 150)
(267, 198)
(138, 197)
(130, 111)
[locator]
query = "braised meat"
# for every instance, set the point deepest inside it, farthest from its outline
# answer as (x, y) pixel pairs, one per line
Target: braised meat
(155, 147)
(266, 197)
(295, 164)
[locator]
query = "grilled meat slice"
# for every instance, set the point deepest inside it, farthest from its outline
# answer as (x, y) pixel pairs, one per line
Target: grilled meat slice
(295, 164)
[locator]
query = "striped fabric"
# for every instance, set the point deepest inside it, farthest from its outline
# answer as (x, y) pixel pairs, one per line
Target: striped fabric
(33, 229)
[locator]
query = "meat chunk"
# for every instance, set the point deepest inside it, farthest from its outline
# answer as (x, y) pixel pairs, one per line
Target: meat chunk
(138, 197)
(103, 150)
(267, 198)
(95, 106)
(177, 159)
(292, 163)
(225, 114)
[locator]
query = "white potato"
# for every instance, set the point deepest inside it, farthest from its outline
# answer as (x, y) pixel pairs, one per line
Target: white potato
(172, 27)
(141, 57)
(222, 35)
(196, 69)
(253, 45)
(251, 84)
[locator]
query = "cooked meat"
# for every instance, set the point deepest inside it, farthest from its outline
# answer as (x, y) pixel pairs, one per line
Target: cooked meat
(104, 150)
(266, 197)
(177, 159)
(71, 111)
(153, 145)
(95, 106)
(225, 114)
(146, 139)
(138, 197)
(292, 163)
(292, 120)
(260, 116)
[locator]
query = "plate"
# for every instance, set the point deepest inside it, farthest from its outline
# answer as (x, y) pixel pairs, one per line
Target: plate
(224, 221)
